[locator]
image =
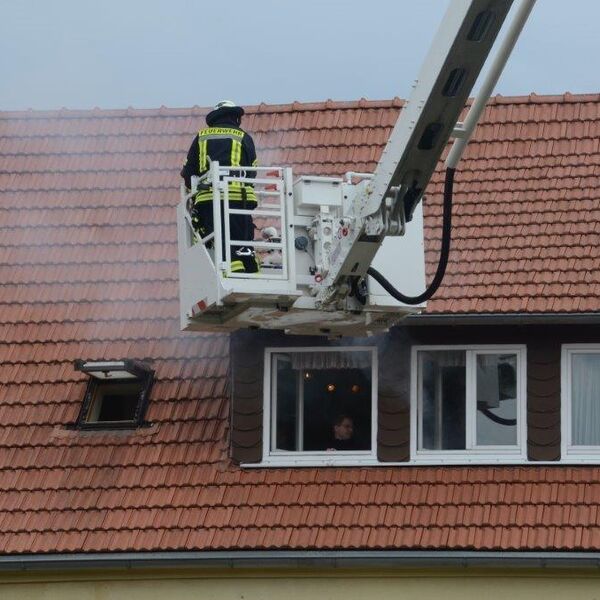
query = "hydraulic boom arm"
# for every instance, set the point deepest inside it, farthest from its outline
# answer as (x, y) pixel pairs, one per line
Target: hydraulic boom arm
(325, 237)
(426, 123)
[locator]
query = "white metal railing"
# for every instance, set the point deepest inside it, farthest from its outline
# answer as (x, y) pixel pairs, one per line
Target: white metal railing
(271, 185)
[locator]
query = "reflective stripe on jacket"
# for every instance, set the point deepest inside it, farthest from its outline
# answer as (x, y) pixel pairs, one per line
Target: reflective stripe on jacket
(226, 145)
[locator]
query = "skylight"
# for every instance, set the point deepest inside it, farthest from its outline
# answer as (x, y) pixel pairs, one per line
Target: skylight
(117, 394)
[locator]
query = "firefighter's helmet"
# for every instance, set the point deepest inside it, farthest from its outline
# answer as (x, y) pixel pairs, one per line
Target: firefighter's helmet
(225, 107)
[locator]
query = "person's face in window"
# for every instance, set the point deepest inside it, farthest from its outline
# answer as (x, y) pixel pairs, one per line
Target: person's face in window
(344, 430)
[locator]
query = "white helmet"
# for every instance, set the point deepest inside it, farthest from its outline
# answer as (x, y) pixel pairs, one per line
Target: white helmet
(224, 107)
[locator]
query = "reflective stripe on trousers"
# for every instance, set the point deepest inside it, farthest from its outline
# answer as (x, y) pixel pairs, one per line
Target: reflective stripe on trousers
(236, 194)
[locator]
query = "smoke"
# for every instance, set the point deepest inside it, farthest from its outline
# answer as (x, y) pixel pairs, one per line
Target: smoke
(87, 207)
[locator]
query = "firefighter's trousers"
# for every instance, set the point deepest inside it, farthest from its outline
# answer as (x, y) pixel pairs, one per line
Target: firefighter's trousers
(241, 227)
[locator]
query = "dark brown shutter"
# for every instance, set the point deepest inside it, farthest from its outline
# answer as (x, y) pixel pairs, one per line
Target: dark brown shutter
(393, 402)
(543, 399)
(247, 368)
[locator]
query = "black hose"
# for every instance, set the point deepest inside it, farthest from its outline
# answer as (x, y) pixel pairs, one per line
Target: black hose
(500, 420)
(444, 253)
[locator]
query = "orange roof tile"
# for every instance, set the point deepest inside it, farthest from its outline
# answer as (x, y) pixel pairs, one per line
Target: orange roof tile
(88, 264)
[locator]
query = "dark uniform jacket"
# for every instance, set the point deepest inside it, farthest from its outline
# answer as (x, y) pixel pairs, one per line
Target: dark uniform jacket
(335, 444)
(225, 142)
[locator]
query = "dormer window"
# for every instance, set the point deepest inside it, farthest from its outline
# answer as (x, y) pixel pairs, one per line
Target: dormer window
(117, 394)
(320, 406)
(469, 404)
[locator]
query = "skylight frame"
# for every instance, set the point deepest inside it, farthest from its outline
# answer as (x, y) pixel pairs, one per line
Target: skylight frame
(124, 372)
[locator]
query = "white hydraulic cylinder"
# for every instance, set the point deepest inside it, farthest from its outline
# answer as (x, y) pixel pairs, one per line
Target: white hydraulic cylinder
(478, 106)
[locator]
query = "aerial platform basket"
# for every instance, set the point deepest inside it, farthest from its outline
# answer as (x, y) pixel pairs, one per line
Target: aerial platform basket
(298, 221)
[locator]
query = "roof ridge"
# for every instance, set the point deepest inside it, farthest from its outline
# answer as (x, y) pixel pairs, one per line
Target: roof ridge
(193, 111)
(263, 108)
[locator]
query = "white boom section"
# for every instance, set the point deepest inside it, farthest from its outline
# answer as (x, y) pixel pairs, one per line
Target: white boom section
(321, 234)
(428, 119)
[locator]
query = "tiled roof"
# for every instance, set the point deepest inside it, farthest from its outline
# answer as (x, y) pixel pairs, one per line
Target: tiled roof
(88, 265)
(526, 235)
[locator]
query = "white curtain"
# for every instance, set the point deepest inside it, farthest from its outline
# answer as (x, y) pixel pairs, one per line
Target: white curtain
(330, 360)
(445, 358)
(585, 399)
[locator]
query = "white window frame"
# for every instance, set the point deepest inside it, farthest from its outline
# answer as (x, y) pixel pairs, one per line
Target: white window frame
(474, 454)
(284, 458)
(569, 452)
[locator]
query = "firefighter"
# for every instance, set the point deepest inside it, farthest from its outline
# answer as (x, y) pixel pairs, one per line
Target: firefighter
(225, 141)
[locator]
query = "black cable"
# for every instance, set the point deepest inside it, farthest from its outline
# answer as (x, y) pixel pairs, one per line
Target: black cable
(500, 420)
(444, 253)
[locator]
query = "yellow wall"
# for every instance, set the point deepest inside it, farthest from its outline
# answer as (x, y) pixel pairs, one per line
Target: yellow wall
(459, 584)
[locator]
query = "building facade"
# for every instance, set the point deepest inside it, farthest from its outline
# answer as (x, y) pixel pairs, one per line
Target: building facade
(476, 442)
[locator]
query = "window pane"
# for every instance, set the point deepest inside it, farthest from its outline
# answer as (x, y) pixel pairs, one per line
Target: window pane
(323, 401)
(496, 422)
(287, 390)
(118, 408)
(115, 402)
(337, 408)
(585, 399)
(443, 396)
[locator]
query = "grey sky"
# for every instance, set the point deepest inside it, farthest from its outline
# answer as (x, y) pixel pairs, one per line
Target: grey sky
(148, 53)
